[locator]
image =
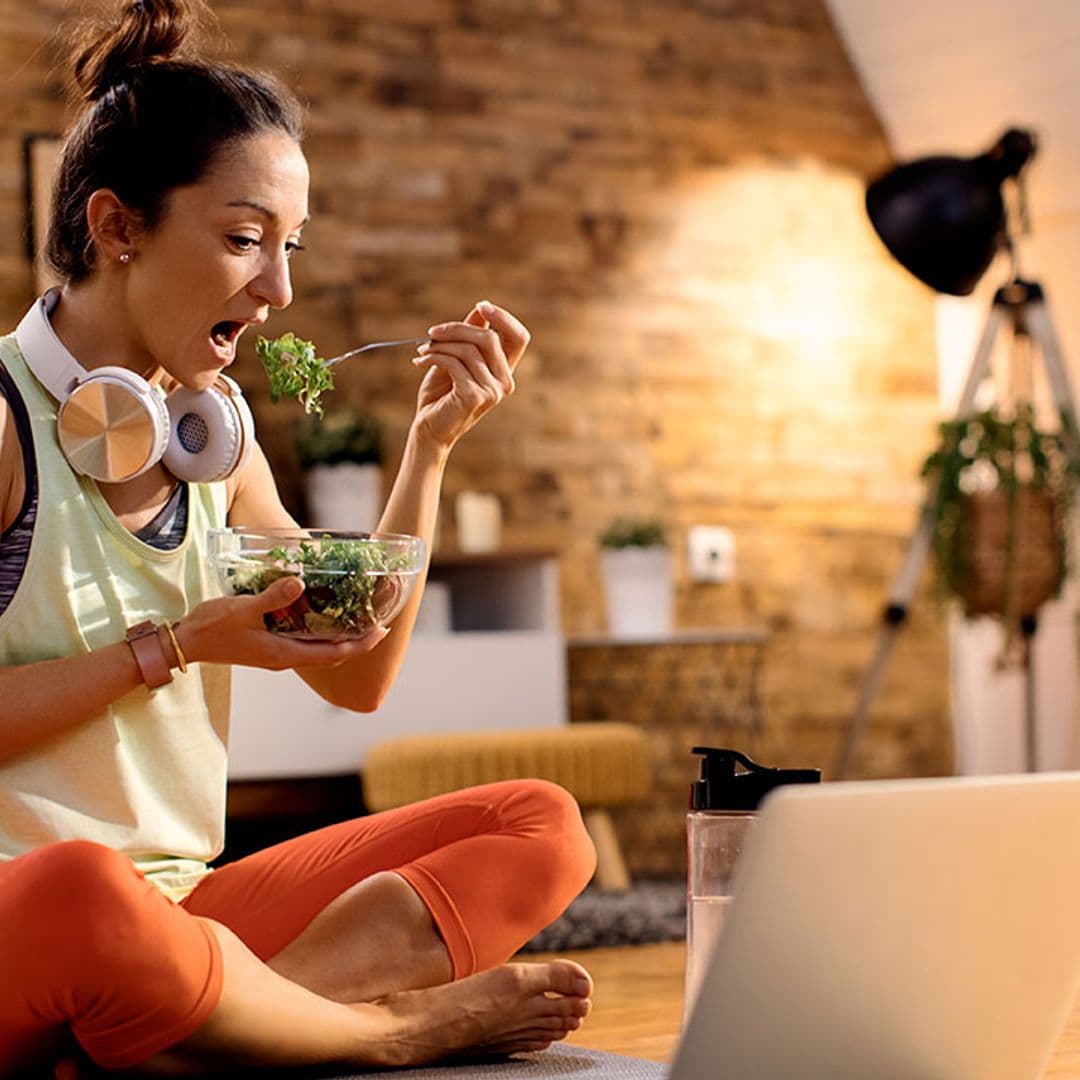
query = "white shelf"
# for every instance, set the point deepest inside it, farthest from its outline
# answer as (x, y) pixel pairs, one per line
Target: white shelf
(506, 669)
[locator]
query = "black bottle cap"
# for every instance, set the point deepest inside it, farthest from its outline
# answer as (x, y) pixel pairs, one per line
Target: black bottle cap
(720, 787)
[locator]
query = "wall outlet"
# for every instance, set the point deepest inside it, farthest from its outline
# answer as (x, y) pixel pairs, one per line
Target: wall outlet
(711, 555)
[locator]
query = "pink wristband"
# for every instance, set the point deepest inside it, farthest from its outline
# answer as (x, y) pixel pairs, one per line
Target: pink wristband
(149, 654)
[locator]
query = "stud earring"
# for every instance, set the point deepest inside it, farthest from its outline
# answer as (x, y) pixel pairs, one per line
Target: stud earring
(125, 257)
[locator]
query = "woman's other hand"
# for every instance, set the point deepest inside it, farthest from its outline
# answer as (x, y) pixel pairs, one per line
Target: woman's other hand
(470, 369)
(231, 630)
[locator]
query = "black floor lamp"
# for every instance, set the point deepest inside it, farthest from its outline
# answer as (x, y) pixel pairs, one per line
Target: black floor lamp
(944, 219)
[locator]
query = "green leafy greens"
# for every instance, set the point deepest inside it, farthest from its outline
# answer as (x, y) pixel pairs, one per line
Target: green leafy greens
(350, 588)
(294, 370)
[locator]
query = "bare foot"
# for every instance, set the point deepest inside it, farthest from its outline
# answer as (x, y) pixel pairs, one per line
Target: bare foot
(508, 1009)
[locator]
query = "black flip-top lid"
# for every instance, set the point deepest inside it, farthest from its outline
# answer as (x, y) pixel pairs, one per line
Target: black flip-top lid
(722, 788)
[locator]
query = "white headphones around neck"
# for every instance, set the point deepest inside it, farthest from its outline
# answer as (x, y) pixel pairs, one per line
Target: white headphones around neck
(113, 425)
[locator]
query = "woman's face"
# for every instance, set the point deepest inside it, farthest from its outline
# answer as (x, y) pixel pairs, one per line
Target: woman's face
(218, 260)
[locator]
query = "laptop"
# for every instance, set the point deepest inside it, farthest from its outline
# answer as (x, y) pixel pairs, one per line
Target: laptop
(897, 930)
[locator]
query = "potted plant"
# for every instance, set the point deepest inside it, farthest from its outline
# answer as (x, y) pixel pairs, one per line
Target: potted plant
(341, 454)
(637, 575)
(1001, 512)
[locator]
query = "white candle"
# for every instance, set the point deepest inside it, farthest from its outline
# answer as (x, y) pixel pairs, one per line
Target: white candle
(479, 521)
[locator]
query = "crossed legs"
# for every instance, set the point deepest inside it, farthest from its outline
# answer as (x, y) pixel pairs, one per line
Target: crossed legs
(263, 1018)
(338, 947)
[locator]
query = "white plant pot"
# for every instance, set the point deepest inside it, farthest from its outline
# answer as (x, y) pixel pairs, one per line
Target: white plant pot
(639, 590)
(346, 496)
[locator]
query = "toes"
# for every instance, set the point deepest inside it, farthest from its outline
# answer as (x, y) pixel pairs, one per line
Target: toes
(548, 1027)
(579, 1007)
(568, 977)
(566, 1007)
(548, 1024)
(563, 977)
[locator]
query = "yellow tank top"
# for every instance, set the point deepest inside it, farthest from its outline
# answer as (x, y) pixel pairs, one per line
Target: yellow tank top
(146, 775)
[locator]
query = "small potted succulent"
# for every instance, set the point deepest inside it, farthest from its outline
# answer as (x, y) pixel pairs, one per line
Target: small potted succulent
(341, 454)
(638, 577)
(1001, 512)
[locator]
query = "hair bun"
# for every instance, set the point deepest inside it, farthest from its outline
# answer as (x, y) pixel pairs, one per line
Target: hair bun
(144, 32)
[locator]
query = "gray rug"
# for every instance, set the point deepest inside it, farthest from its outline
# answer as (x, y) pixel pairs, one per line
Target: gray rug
(649, 911)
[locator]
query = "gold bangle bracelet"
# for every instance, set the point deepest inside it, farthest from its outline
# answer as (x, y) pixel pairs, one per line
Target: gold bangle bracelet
(176, 647)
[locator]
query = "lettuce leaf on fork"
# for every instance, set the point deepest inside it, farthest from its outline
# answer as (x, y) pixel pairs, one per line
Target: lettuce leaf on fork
(294, 370)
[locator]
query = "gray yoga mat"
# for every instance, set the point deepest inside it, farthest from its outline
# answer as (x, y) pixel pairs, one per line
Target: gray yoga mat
(558, 1062)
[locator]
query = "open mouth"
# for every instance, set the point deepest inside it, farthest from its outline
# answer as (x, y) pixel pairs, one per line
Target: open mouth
(224, 335)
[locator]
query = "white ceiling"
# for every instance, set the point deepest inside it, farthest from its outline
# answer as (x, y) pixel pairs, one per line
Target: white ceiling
(949, 76)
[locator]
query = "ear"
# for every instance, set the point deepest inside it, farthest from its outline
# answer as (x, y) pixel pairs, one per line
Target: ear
(113, 227)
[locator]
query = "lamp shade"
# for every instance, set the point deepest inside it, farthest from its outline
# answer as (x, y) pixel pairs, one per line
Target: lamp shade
(943, 218)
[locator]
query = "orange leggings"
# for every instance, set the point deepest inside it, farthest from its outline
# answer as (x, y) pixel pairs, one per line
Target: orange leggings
(90, 949)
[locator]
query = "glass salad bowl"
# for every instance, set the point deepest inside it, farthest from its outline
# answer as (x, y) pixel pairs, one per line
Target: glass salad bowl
(353, 581)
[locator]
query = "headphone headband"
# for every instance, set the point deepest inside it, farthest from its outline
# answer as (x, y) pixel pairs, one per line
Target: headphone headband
(45, 354)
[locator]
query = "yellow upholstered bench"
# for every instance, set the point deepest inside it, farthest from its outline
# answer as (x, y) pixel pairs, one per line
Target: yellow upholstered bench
(601, 765)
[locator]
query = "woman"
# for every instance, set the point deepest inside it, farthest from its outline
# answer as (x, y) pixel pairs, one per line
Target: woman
(181, 196)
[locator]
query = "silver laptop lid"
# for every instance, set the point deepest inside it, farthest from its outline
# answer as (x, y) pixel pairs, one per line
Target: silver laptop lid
(910, 929)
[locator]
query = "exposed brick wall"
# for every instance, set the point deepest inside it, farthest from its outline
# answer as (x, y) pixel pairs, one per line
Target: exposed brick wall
(669, 194)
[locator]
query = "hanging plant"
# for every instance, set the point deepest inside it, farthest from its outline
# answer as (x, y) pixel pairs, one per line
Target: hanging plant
(1000, 517)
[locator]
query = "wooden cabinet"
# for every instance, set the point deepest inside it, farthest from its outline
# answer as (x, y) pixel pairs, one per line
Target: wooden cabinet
(502, 665)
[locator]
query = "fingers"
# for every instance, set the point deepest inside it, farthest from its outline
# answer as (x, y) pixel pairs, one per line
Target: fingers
(476, 317)
(513, 333)
(305, 653)
(283, 651)
(234, 630)
(493, 374)
(327, 654)
(371, 639)
(479, 345)
(279, 594)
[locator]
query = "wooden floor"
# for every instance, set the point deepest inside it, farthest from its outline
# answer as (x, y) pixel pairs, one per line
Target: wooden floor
(637, 1006)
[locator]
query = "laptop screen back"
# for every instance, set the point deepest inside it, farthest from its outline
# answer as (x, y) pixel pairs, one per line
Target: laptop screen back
(910, 929)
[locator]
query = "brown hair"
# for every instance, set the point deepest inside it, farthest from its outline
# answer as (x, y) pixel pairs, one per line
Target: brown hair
(155, 117)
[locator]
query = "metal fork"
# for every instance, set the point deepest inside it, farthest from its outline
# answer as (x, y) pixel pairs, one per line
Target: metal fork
(375, 345)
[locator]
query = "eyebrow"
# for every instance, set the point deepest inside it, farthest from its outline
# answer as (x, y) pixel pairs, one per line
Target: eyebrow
(264, 210)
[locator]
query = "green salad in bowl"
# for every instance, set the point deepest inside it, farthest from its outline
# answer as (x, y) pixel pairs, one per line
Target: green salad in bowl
(353, 582)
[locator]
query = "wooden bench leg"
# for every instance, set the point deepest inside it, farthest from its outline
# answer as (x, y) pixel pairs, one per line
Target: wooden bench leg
(611, 873)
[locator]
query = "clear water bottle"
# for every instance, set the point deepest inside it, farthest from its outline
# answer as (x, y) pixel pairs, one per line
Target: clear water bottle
(723, 810)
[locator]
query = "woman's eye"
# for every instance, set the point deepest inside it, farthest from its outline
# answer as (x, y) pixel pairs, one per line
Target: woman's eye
(292, 247)
(244, 243)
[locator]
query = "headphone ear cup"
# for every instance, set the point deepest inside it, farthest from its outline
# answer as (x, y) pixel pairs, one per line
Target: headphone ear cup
(212, 432)
(243, 415)
(113, 425)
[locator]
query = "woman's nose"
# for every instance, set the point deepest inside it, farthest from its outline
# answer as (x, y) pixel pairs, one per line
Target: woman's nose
(273, 286)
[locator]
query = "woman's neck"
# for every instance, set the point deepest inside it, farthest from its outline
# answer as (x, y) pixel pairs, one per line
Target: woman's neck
(92, 323)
